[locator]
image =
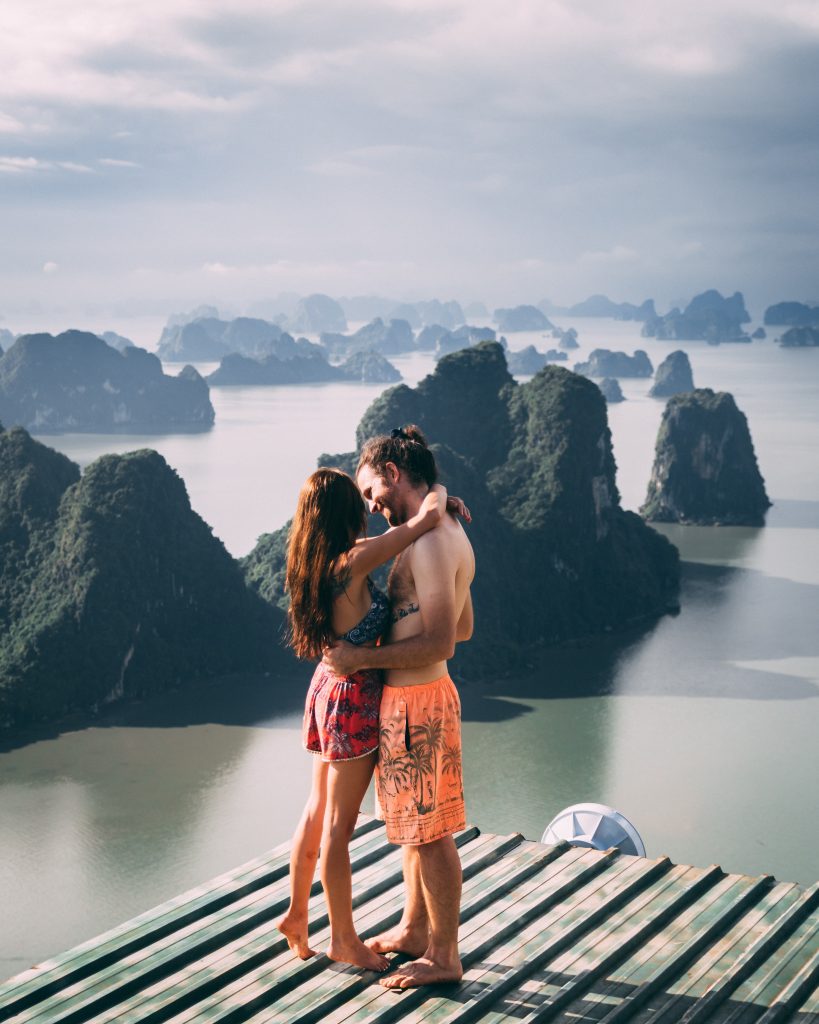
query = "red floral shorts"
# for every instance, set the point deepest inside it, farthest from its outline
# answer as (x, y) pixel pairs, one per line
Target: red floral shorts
(341, 714)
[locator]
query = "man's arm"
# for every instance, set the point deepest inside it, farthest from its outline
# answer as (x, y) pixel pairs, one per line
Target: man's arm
(433, 570)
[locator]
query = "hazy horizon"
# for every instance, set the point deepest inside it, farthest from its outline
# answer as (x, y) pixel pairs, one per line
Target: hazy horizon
(158, 157)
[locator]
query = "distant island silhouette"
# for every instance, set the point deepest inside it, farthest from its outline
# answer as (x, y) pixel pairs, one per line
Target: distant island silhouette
(77, 382)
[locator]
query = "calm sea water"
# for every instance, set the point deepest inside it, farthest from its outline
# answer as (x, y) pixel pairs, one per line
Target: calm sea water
(702, 729)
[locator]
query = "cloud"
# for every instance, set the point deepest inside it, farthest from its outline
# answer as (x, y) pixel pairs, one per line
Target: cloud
(109, 161)
(219, 268)
(181, 55)
(70, 165)
(50, 267)
(20, 164)
(10, 124)
(31, 164)
(439, 140)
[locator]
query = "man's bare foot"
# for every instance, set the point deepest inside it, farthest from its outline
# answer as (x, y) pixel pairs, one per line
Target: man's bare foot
(356, 953)
(401, 939)
(294, 929)
(424, 971)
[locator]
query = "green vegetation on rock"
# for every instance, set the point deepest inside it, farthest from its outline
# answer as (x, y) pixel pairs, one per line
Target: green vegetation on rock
(673, 376)
(705, 469)
(604, 363)
(77, 382)
(557, 558)
(111, 586)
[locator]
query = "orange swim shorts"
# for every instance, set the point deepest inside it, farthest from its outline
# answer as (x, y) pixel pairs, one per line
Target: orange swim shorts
(419, 781)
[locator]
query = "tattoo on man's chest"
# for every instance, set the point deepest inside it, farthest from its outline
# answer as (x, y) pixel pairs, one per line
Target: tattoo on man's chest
(404, 611)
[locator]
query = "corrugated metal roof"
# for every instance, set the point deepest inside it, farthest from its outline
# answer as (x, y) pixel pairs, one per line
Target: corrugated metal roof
(552, 933)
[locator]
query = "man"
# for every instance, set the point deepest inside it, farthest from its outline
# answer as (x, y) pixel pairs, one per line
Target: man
(418, 776)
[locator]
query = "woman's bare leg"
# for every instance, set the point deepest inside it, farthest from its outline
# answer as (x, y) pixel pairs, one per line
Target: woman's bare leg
(303, 860)
(347, 783)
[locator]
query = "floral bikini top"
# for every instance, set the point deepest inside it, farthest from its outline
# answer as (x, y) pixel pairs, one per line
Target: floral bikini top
(376, 620)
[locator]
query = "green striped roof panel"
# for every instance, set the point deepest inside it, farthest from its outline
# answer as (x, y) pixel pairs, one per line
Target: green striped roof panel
(548, 933)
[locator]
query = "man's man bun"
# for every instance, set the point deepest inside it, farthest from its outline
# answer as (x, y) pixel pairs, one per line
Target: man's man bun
(405, 447)
(414, 433)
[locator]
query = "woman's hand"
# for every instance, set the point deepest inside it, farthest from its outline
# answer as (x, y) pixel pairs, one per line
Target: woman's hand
(434, 504)
(456, 507)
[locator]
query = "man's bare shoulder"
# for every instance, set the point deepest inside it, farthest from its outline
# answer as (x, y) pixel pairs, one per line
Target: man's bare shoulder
(446, 543)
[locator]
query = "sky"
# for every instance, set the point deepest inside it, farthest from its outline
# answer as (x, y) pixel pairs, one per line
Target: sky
(166, 153)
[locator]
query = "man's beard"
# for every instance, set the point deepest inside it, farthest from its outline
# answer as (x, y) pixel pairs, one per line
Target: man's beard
(393, 509)
(393, 516)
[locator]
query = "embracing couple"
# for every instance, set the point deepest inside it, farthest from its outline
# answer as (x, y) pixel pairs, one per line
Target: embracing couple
(381, 698)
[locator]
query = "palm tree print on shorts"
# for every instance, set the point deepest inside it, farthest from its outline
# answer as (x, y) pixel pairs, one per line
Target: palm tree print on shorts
(420, 765)
(419, 775)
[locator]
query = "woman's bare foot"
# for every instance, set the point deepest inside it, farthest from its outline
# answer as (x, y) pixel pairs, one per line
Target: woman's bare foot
(401, 939)
(424, 971)
(294, 929)
(356, 953)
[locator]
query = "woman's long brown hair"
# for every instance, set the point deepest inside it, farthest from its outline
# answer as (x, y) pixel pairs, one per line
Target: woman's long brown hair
(329, 516)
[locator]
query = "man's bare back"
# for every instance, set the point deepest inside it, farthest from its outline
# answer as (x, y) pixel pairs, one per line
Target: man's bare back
(429, 592)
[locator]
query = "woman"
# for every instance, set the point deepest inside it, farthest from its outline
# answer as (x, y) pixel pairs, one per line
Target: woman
(332, 596)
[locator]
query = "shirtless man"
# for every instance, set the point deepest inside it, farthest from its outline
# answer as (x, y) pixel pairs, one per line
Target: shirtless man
(418, 775)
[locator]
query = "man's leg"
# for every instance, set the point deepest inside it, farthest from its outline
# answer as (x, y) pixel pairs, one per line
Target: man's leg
(411, 934)
(441, 881)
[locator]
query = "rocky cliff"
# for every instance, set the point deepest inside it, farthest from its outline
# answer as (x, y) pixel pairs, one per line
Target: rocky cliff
(611, 390)
(522, 318)
(369, 368)
(392, 338)
(118, 341)
(793, 314)
(428, 337)
(308, 367)
(317, 313)
(707, 317)
(557, 556)
(111, 586)
(602, 306)
(604, 363)
(529, 360)
(462, 337)
(206, 339)
(567, 339)
(76, 382)
(705, 469)
(433, 311)
(673, 376)
(800, 337)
